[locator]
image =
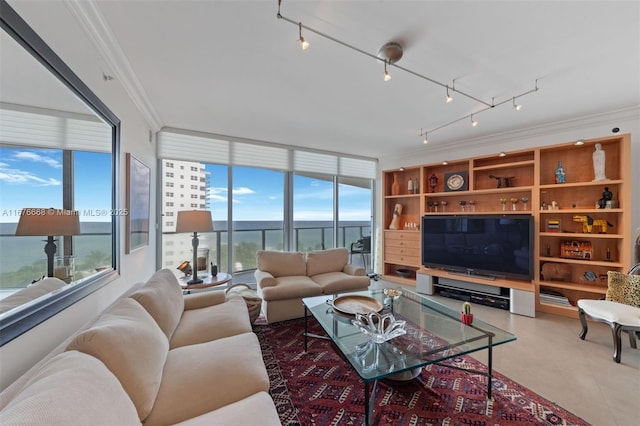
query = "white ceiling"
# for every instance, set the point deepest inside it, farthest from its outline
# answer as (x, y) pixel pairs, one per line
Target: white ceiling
(233, 68)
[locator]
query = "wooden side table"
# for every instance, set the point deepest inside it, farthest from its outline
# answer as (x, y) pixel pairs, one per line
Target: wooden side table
(207, 282)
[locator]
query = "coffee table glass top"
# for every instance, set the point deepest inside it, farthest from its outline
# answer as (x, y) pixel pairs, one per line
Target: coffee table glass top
(434, 334)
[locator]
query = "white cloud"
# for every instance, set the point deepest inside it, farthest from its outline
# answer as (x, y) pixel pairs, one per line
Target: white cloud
(243, 190)
(17, 176)
(37, 158)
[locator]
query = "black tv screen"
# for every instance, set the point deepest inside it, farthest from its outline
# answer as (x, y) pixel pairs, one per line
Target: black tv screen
(491, 245)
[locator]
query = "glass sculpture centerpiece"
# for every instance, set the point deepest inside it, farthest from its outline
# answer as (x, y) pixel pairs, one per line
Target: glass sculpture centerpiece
(380, 327)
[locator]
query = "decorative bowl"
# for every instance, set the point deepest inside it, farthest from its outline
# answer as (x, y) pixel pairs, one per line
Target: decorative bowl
(404, 272)
(380, 327)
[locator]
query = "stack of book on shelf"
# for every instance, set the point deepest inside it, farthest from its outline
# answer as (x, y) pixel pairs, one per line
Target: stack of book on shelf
(553, 298)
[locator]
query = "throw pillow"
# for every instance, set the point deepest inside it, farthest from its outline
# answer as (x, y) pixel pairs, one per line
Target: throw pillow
(623, 288)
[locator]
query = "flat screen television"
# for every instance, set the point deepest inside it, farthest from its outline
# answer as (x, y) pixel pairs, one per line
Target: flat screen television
(484, 245)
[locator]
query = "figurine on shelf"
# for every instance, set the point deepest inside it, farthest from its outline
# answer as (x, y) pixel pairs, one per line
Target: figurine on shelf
(598, 163)
(433, 182)
(606, 196)
(395, 221)
(410, 186)
(560, 173)
(503, 181)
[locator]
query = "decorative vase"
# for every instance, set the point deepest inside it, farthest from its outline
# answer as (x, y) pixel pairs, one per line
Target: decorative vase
(560, 173)
(395, 186)
(410, 186)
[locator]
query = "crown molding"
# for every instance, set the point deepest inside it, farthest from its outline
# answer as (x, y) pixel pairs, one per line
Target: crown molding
(539, 131)
(95, 25)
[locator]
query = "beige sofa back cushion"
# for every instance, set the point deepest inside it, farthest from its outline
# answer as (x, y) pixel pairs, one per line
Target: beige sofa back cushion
(71, 388)
(321, 262)
(130, 343)
(161, 296)
(282, 263)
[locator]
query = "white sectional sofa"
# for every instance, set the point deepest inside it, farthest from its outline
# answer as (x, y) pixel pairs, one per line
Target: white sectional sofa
(153, 357)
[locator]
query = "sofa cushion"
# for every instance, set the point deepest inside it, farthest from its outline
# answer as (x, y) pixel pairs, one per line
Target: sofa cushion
(204, 377)
(290, 288)
(321, 262)
(211, 323)
(281, 263)
(71, 388)
(130, 343)
(255, 410)
(337, 282)
(161, 296)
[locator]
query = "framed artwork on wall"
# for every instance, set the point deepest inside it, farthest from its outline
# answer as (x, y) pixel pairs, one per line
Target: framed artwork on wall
(138, 198)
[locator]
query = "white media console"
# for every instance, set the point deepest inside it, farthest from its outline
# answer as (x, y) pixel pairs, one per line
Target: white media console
(521, 302)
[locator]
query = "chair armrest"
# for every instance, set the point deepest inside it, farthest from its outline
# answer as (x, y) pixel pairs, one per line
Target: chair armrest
(203, 299)
(264, 279)
(353, 270)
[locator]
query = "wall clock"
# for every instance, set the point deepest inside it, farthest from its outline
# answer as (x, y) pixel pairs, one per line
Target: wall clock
(455, 181)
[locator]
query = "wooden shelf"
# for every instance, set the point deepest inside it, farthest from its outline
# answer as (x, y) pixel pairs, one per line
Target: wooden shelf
(601, 183)
(581, 262)
(572, 235)
(506, 165)
(531, 172)
(588, 288)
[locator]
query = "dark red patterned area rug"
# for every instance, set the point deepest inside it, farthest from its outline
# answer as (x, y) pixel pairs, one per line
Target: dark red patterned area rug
(318, 387)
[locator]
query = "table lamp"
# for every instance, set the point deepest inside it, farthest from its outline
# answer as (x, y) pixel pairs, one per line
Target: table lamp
(48, 222)
(194, 221)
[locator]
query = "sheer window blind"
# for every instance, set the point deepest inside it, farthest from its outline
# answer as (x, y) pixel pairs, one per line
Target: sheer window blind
(56, 130)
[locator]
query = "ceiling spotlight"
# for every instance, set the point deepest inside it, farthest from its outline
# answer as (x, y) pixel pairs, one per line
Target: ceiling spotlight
(402, 169)
(387, 76)
(445, 162)
(516, 106)
(474, 123)
(304, 43)
(502, 154)
(579, 142)
(425, 141)
(449, 98)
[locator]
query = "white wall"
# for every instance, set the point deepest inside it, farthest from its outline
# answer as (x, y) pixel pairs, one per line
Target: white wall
(71, 43)
(601, 125)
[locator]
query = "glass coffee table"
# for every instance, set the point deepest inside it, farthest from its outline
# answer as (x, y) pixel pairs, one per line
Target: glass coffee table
(434, 335)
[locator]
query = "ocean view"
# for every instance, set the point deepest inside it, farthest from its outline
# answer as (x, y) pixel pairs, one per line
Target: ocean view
(22, 259)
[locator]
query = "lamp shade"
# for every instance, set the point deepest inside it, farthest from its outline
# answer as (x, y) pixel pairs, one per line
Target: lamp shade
(194, 221)
(39, 221)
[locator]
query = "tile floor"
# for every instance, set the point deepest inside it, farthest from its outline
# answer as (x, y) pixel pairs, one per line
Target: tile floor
(549, 358)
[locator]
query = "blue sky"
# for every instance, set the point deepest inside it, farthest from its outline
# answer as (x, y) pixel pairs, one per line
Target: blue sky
(33, 178)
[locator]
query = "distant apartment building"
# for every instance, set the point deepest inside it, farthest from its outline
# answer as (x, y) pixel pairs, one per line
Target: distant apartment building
(185, 186)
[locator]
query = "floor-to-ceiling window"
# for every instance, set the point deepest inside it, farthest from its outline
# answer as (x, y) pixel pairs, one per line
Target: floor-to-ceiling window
(273, 197)
(313, 212)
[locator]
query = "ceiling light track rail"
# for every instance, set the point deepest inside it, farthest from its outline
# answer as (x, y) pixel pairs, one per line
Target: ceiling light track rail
(391, 61)
(300, 26)
(491, 106)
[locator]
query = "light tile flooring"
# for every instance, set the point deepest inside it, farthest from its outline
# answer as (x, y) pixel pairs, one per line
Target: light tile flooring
(549, 358)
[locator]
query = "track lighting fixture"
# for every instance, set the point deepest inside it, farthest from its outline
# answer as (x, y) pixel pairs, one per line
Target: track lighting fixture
(390, 53)
(516, 106)
(425, 140)
(303, 43)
